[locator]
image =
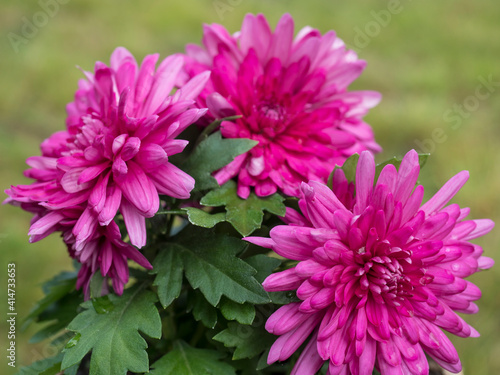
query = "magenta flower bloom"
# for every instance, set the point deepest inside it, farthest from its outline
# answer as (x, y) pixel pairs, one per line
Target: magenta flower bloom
(292, 96)
(379, 275)
(114, 156)
(104, 250)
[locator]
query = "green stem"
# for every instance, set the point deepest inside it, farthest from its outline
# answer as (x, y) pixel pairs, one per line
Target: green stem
(200, 330)
(171, 212)
(169, 224)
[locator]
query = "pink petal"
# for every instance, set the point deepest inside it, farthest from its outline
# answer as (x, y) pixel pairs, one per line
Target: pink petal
(483, 226)
(164, 80)
(119, 55)
(407, 176)
(255, 33)
(135, 223)
(260, 241)
(365, 174)
(287, 245)
(84, 228)
(70, 183)
(111, 206)
(281, 281)
(139, 190)
(288, 343)
(46, 223)
(172, 181)
(219, 106)
(447, 192)
(191, 89)
(282, 39)
(309, 361)
(285, 319)
(106, 257)
(144, 79)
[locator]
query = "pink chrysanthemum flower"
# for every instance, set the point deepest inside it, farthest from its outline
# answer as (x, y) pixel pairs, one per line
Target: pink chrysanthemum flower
(121, 132)
(292, 96)
(378, 275)
(104, 250)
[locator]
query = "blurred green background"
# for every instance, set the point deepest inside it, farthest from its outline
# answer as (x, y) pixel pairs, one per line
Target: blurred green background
(432, 62)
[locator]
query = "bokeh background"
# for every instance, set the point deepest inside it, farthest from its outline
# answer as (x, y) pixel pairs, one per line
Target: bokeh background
(437, 64)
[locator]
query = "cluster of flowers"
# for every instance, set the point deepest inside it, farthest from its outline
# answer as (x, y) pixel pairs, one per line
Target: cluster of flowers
(378, 274)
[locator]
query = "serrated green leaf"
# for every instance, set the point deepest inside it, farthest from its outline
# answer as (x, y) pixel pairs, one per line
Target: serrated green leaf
(249, 341)
(243, 313)
(204, 219)
(211, 265)
(113, 337)
(167, 267)
(186, 360)
(422, 159)
(202, 310)
(212, 154)
(264, 265)
(54, 290)
(244, 214)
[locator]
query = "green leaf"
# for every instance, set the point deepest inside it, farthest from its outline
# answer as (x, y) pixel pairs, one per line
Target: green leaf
(186, 360)
(349, 168)
(210, 263)
(212, 154)
(168, 268)
(264, 265)
(284, 298)
(54, 289)
(243, 313)
(204, 219)
(422, 159)
(102, 305)
(96, 283)
(74, 341)
(202, 310)
(249, 341)
(244, 214)
(47, 366)
(59, 314)
(262, 363)
(42, 366)
(113, 337)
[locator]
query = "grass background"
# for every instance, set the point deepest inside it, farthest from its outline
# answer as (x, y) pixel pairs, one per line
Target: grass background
(425, 57)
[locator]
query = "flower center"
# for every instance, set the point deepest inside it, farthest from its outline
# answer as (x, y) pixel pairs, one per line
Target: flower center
(383, 275)
(271, 117)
